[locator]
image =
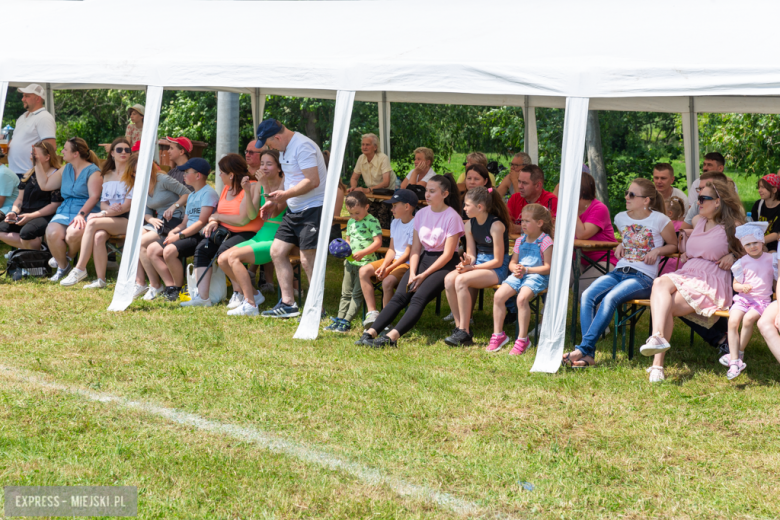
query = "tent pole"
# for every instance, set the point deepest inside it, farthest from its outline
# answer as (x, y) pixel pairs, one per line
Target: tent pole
(3, 94)
(258, 107)
(310, 320)
(123, 293)
(384, 125)
(690, 124)
(531, 140)
(550, 349)
(227, 129)
(50, 100)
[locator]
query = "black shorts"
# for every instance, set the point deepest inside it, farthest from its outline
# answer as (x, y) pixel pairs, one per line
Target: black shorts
(300, 229)
(207, 249)
(186, 246)
(33, 229)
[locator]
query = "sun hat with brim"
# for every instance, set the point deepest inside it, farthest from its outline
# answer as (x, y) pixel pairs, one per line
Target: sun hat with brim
(181, 141)
(33, 88)
(138, 108)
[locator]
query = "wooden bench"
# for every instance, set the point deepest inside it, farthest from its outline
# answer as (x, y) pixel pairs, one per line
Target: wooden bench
(628, 314)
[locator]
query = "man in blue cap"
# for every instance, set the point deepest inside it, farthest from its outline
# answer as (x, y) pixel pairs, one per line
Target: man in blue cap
(303, 195)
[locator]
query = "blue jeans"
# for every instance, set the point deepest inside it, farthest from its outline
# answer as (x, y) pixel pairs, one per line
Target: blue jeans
(610, 291)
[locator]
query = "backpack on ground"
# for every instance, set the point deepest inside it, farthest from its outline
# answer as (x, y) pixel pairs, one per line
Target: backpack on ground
(28, 262)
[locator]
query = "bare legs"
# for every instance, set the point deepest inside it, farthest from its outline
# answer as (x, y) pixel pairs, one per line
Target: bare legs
(93, 242)
(665, 304)
(768, 327)
(146, 268)
(63, 240)
(459, 287)
(232, 262)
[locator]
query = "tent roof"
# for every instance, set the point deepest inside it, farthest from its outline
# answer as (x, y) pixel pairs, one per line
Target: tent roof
(655, 54)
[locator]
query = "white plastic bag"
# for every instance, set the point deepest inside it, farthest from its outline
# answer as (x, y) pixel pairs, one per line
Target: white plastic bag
(217, 286)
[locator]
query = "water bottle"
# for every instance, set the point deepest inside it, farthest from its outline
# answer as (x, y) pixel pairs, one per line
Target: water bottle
(749, 217)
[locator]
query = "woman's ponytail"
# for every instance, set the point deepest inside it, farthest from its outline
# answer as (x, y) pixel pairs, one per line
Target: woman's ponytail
(448, 184)
(648, 191)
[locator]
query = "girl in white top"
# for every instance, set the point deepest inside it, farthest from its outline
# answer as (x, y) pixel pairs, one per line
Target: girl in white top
(118, 174)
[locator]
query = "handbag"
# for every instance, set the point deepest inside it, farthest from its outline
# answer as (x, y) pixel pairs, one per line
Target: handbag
(28, 262)
(217, 286)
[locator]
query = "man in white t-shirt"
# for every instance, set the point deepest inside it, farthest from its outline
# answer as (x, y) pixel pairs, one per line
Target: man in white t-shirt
(663, 178)
(37, 124)
(303, 194)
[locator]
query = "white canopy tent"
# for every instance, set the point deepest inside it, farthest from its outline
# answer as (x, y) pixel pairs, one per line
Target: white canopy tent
(541, 55)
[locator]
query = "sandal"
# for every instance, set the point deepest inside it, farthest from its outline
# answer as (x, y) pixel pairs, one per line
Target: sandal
(566, 361)
(586, 365)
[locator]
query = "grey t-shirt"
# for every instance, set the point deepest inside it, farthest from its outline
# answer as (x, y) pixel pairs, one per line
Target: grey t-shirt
(178, 174)
(166, 192)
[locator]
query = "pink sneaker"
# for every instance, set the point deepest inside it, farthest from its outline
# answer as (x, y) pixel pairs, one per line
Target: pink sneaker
(497, 341)
(520, 347)
(656, 344)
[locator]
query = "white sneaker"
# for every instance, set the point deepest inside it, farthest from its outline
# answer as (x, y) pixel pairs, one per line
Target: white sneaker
(656, 374)
(371, 317)
(139, 289)
(152, 293)
(245, 309)
(267, 287)
(656, 344)
(197, 301)
(449, 317)
(8, 255)
(97, 284)
(53, 261)
(74, 277)
(259, 299)
(236, 300)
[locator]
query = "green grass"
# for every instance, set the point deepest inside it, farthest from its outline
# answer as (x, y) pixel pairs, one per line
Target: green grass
(601, 443)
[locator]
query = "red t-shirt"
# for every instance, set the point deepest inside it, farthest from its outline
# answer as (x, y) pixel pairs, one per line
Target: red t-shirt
(517, 203)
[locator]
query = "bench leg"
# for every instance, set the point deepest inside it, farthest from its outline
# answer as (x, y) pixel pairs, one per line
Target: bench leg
(481, 298)
(632, 334)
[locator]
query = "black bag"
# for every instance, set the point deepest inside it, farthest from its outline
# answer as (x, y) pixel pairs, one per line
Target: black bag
(418, 190)
(28, 262)
(385, 192)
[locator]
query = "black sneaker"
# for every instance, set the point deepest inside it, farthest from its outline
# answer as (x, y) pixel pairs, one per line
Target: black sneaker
(172, 293)
(282, 310)
(459, 338)
(365, 340)
(384, 341)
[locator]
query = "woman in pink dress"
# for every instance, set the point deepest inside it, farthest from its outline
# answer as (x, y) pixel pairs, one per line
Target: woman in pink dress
(700, 287)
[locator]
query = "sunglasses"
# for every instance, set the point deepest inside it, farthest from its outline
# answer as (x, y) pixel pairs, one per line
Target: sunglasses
(631, 195)
(705, 198)
(120, 149)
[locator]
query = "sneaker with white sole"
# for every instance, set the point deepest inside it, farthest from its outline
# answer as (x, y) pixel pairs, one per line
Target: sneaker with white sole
(520, 346)
(449, 317)
(725, 359)
(197, 301)
(282, 310)
(371, 317)
(735, 369)
(74, 277)
(656, 344)
(53, 262)
(656, 374)
(139, 290)
(60, 274)
(259, 299)
(153, 293)
(245, 309)
(97, 284)
(497, 341)
(236, 300)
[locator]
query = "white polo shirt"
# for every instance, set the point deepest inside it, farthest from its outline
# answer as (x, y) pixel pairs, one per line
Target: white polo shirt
(303, 153)
(30, 128)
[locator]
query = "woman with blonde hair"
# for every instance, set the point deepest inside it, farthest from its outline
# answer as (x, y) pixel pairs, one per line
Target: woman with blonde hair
(647, 234)
(700, 287)
(115, 201)
(80, 190)
(25, 225)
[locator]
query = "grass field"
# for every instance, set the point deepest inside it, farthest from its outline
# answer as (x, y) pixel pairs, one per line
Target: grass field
(424, 431)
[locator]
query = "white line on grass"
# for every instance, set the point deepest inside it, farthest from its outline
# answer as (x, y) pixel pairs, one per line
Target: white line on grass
(271, 443)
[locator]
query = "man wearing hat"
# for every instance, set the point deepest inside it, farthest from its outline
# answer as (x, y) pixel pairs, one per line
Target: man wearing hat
(303, 195)
(37, 124)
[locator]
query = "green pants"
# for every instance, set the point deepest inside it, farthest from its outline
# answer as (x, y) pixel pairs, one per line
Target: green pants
(351, 292)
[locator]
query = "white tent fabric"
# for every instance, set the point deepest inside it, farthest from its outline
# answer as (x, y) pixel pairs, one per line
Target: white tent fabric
(310, 321)
(123, 294)
(550, 350)
(3, 94)
(624, 68)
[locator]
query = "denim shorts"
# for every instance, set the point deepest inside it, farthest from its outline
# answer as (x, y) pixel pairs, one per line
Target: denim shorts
(502, 271)
(536, 282)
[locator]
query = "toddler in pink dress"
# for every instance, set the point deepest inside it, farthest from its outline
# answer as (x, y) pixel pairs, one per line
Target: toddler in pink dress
(753, 277)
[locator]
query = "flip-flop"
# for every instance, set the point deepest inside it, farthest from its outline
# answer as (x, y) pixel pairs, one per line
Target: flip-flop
(566, 361)
(586, 365)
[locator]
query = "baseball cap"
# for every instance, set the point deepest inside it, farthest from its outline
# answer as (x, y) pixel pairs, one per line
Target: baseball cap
(198, 164)
(407, 196)
(266, 129)
(138, 108)
(33, 88)
(181, 141)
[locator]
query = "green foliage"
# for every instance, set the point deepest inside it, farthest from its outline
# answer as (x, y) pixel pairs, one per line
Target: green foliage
(193, 115)
(13, 108)
(748, 141)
